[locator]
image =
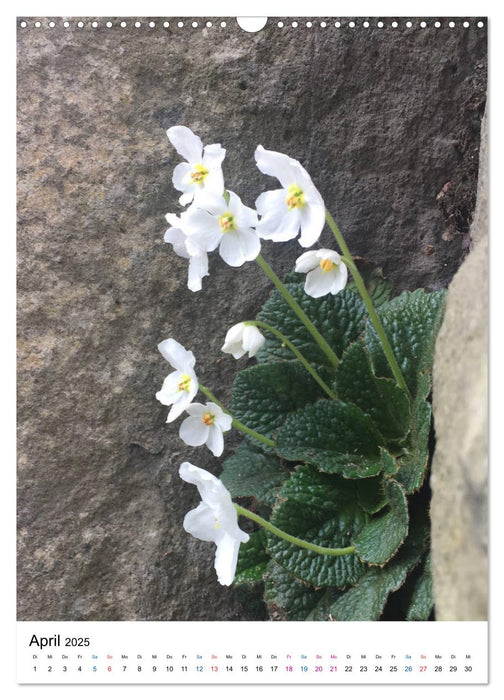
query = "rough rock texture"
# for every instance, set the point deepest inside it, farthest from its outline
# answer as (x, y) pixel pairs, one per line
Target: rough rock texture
(459, 481)
(386, 121)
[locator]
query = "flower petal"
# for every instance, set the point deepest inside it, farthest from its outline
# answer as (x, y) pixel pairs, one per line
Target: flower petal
(181, 178)
(237, 247)
(198, 268)
(307, 261)
(312, 223)
(213, 155)
(339, 279)
(286, 229)
(253, 339)
(318, 283)
(277, 165)
(193, 431)
(176, 354)
(177, 238)
(187, 144)
(200, 523)
(226, 558)
(215, 440)
(169, 390)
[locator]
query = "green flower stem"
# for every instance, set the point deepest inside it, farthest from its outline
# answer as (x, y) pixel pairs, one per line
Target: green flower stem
(300, 357)
(348, 260)
(323, 345)
(236, 423)
(293, 540)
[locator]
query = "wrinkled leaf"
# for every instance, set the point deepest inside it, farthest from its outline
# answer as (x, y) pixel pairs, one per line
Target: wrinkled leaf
(252, 559)
(334, 436)
(381, 399)
(321, 509)
(339, 318)
(411, 322)
(383, 535)
(250, 472)
(264, 395)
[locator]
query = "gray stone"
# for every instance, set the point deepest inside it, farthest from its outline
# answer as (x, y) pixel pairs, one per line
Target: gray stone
(459, 507)
(387, 123)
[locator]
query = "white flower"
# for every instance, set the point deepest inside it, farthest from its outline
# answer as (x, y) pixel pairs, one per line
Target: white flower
(198, 260)
(203, 171)
(180, 387)
(205, 426)
(214, 520)
(243, 338)
(226, 225)
(326, 273)
(297, 206)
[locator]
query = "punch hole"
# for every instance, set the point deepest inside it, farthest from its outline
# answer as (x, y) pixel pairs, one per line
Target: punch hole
(323, 24)
(138, 24)
(38, 24)
(251, 24)
(223, 24)
(166, 25)
(309, 25)
(194, 25)
(124, 24)
(152, 25)
(451, 24)
(351, 25)
(209, 24)
(365, 24)
(466, 24)
(481, 25)
(109, 24)
(280, 24)
(51, 24)
(337, 24)
(94, 24)
(80, 24)
(423, 24)
(409, 24)
(437, 24)
(395, 25)
(380, 24)
(294, 24)
(22, 24)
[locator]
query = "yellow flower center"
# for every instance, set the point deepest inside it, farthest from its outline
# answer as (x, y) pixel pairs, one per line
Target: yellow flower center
(327, 265)
(217, 524)
(184, 383)
(227, 222)
(208, 419)
(295, 198)
(199, 174)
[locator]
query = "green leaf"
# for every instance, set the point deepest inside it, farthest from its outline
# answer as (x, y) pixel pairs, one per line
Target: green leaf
(321, 509)
(339, 318)
(422, 598)
(264, 395)
(286, 597)
(370, 494)
(382, 536)
(250, 472)
(366, 600)
(381, 399)
(334, 436)
(411, 322)
(252, 559)
(412, 464)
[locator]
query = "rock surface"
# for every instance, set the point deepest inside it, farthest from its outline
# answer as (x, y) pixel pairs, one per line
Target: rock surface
(459, 507)
(387, 123)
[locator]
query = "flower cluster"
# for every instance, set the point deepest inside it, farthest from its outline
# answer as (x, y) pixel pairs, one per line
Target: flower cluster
(216, 218)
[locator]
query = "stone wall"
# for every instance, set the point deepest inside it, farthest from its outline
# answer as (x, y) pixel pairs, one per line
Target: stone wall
(386, 121)
(459, 481)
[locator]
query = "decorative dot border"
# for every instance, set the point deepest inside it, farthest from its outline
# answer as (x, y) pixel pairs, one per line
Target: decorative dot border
(285, 23)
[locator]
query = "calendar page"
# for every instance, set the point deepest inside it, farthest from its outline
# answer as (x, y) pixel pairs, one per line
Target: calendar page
(252, 350)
